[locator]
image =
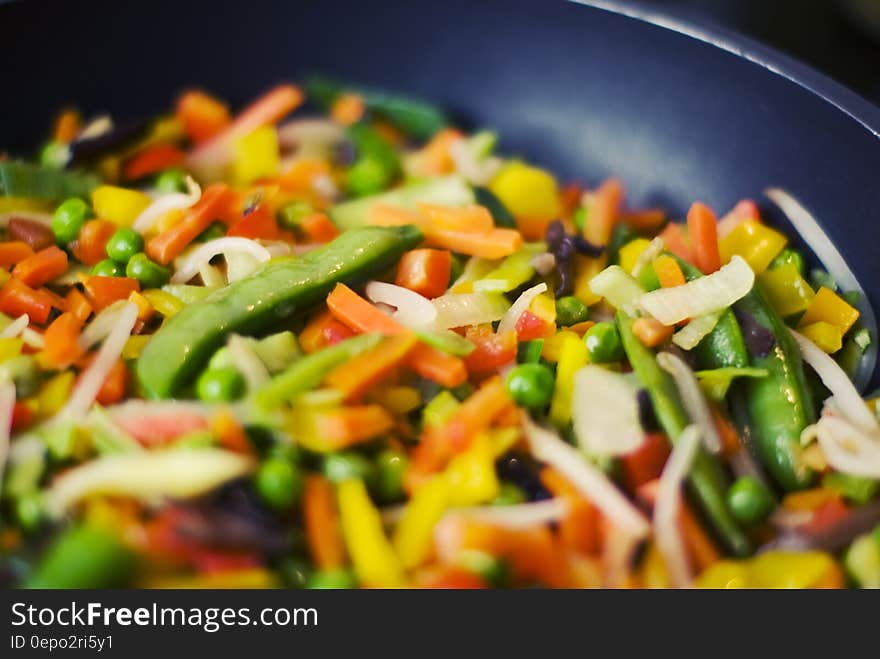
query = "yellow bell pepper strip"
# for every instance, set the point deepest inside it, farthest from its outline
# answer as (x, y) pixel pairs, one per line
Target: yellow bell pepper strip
(825, 335)
(585, 269)
(471, 475)
(828, 306)
(552, 349)
(54, 394)
(757, 243)
(413, 537)
(572, 356)
(134, 346)
(375, 562)
(786, 290)
(257, 156)
(247, 578)
(775, 569)
(530, 194)
(9, 348)
(119, 205)
(629, 254)
(165, 303)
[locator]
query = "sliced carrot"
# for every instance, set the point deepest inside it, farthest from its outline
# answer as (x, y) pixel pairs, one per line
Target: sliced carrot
(581, 328)
(579, 529)
(357, 375)
(23, 414)
(645, 463)
(570, 199)
(90, 247)
(202, 116)
(113, 389)
(348, 109)
(321, 518)
(17, 298)
(258, 224)
(604, 212)
(668, 271)
(495, 244)
(42, 267)
(425, 271)
(676, 240)
(76, 303)
(171, 242)
(152, 160)
(651, 332)
(346, 426)
(311, 339)
(334, 332)
(645, 220)
(358, 314)
(66, 126)
(101, 292)
(229, 433)
(319, 228)
(435, 157)
(730, 441)
(302, 174)
(14, 251)
(62, 340)
(703, 232)
(382, 215)
(471, 218)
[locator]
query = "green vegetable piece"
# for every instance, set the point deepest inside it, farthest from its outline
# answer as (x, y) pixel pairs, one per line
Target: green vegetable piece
(21, 179)
(439, 409)
(29, 511)
(276, 291)
(391, 466)
(84, 557)
(621, 235)
(124, 244)
(108, 268)
(580, 218)
(858, 489)
(366, 177)
(220, 385)
(716, 382)
(500, 215)
(789, 256)
(345, 465)
(862, 560)
(749, 501)
(447, 341)
(171, 180)
(23, 371)
(820, 278)
(331, 580)
(491, 569)
(529, 352)
(706, 478)
(149, 273)
(508, 495)
(570, 311)
(54, 155)
(279, 483)
(513, 272)
(531, 385)
(215, 230)
(68, 219)
(603, 343)
(188, 294)
(293, 213)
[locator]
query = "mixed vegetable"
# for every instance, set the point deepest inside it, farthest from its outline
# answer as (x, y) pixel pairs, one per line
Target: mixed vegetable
(359, 347)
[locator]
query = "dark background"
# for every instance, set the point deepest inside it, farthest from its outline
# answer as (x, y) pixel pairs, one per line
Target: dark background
(819, 32)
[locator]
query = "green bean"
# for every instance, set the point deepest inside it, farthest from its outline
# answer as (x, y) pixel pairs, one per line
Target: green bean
(84, 557)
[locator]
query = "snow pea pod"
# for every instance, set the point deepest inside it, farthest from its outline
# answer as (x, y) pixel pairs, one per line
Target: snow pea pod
(277, 290)
(706, 479)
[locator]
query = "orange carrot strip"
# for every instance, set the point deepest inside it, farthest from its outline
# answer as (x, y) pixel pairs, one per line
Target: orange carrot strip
(91, 244)
(14, 251)
(382, 215)
(495, 244)
(668, 271)
(646, 220)
(76, 303)
(676, 240)
(435, 157)
(17, 298)
(42, 267)
(322, 524)
(258, 224)
(473, 218)
(651, 332)
(604, 212)
(348, 109)
(171, 242)
(311, 339)
(703, 232)
(66, 127)
(152, 160)
(357, 375)
(425, 271)
(319, 228)
(229, 433)
(346, 426)
(202, 116)
(101, 292)
(62, 340)
(579, 529)
(113, 389)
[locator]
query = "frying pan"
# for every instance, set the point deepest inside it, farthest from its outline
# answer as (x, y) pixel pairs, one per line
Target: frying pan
(589, 89)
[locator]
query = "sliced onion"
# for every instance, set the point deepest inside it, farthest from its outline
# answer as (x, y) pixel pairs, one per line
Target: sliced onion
(812, 233)
(508, 321)
(167, 203)
(696, 330)
(667, 506)
(101, 325)
(33, 338)
(692, 398)
(310, 133)
(459, 310)
(278, 248)
(700, 296)
(246, 362)
(92, 379)
(240, 265)
(211, 276)
(590, 481)
(136, 408)
(190, 264)
(7, 404)
(605, 411)
(16, 327)
(652, 251)
(475, 167)
(846, 447)
(846, 397)
(410, 308)
(517, 516)
(543, 263)
(147, 476)
(619, 288)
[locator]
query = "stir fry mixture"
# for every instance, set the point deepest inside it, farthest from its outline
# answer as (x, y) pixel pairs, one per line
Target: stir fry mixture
(332, 341)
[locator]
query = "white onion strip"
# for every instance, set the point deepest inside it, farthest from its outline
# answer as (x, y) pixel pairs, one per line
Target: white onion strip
(517, 516)
(191, 264)
(16, 327)
(543, 263)
(508, 320)
(101, 326)
(411, 309)
(696, 330)
(652, 251)
(590, 481)
(7, 403)
(246, 362)
(692, 398)
(92, 379)
(605, 412)
(845, 446)
(167, 203)
(33, 338)
(667, 507)
(812, 233)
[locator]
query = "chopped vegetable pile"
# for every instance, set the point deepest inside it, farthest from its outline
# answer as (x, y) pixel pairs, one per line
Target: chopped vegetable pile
(331, 341)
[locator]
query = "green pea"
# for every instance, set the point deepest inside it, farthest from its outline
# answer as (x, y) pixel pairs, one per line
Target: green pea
(749, 500)
(367, 176)
(55, 155)
(149, 273)
(279, 483)
(171, 180)
(570, 310)
(295, 572)
(531, 385)
(342, 466)
(391, 466)
(331, 580)
(789, 256)
(217, 385)
(29, 511)
(124, 244)
(108, 268)
(68, 219)
(603, 343)
(508, 495)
